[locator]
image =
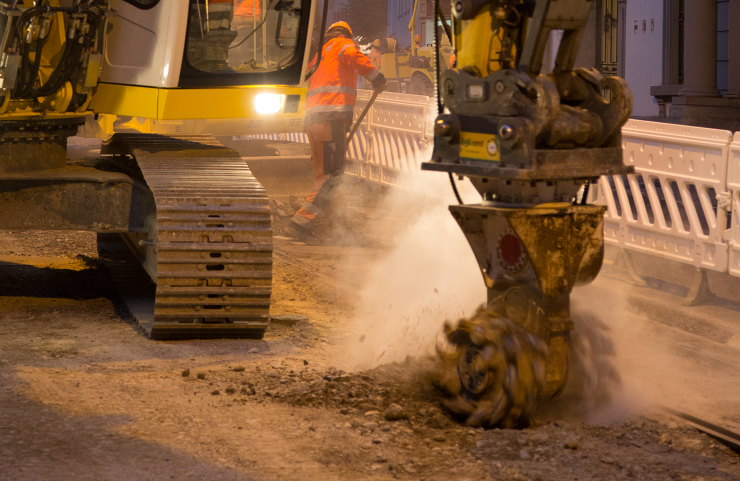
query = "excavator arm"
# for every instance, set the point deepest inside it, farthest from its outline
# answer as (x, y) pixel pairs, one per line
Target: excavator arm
(531, 144)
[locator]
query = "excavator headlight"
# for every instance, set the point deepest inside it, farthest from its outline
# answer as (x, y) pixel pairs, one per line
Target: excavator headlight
(269, 103)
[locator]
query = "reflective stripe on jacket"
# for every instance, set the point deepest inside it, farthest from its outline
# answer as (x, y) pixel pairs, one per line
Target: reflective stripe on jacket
(331, 89)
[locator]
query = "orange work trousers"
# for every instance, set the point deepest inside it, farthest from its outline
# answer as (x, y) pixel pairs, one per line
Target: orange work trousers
(328, 141)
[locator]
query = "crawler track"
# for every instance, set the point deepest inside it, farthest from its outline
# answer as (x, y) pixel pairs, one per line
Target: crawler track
(209, 244)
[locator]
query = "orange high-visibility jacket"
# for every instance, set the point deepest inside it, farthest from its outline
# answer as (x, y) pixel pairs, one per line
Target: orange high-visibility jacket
(331, 89)
(249, 8)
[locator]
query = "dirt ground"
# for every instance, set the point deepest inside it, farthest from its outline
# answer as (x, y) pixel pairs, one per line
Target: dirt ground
(84, 396)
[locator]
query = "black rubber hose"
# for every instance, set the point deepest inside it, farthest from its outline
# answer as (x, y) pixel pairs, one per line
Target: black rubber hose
(454, 189)
(440, 107)
(26, 89)
(23, 48)
(22, 70)
(70, 56)
(33, 74)
(53, 79)
(71, 59)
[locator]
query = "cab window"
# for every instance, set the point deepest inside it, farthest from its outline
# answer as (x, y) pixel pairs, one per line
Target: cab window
(245, 37)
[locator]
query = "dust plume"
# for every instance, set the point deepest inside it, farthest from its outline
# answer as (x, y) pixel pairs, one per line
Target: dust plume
(662, 364)
(625, 361)
(427, 275)
(595, 390)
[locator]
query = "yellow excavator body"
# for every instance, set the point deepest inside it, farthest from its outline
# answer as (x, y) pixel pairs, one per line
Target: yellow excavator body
(185, 208)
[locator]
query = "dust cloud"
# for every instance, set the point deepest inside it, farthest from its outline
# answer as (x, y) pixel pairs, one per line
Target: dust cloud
(428, 275)
(622, 362)
(596, 391)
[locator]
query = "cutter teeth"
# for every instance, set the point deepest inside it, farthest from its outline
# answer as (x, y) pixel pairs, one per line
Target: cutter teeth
(508, 358)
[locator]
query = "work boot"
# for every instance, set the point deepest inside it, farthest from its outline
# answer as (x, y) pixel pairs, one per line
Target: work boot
(297, 232)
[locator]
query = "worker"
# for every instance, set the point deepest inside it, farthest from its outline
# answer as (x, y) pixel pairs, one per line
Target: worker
(330, 105)
(376, 52)
(249, 8)
(417, 41)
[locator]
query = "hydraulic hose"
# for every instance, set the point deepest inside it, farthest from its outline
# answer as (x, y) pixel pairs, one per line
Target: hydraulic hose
(71, 55)
(454, 189)
(34, 74)
(440, 108)
(25, 86)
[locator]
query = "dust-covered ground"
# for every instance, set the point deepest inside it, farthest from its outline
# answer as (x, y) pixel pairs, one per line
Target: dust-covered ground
(334, 396)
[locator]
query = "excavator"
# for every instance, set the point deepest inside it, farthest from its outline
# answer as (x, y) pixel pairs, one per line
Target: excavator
(184, 207)
(191, 213)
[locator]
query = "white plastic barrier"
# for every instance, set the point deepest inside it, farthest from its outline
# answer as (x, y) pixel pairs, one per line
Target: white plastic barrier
(673, 205)
(733, 202)
(391, 139)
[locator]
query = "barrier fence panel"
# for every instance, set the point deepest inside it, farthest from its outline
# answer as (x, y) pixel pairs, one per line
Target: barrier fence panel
(733, 202)
(670, 208)
(682, 203)
(392, 138)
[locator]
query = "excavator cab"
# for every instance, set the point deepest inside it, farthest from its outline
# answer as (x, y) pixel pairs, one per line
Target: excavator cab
(157, 60)
(209, 59)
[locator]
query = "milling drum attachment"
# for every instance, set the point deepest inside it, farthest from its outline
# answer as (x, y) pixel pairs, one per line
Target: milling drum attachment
(495, 372)
(532, 145)
(514, 352)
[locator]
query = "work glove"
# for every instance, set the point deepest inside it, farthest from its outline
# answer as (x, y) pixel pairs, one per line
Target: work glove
(380, 83)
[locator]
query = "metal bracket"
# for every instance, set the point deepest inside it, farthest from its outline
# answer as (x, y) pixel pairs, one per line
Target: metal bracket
(724, 200)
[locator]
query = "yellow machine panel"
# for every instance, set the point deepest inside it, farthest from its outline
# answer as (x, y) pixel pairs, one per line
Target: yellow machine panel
(199, 103)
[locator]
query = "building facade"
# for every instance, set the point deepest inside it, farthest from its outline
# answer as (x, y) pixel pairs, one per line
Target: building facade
(677, 57)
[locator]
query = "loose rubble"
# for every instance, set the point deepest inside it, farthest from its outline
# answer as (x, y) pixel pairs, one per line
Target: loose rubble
(396, 410)
(77, 380)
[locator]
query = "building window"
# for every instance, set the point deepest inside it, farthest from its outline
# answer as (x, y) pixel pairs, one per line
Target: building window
(679, 73)
(607, 48)
(673, 25)
(723, 30)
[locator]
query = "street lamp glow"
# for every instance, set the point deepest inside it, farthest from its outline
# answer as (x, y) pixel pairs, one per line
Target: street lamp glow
(269, 103)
